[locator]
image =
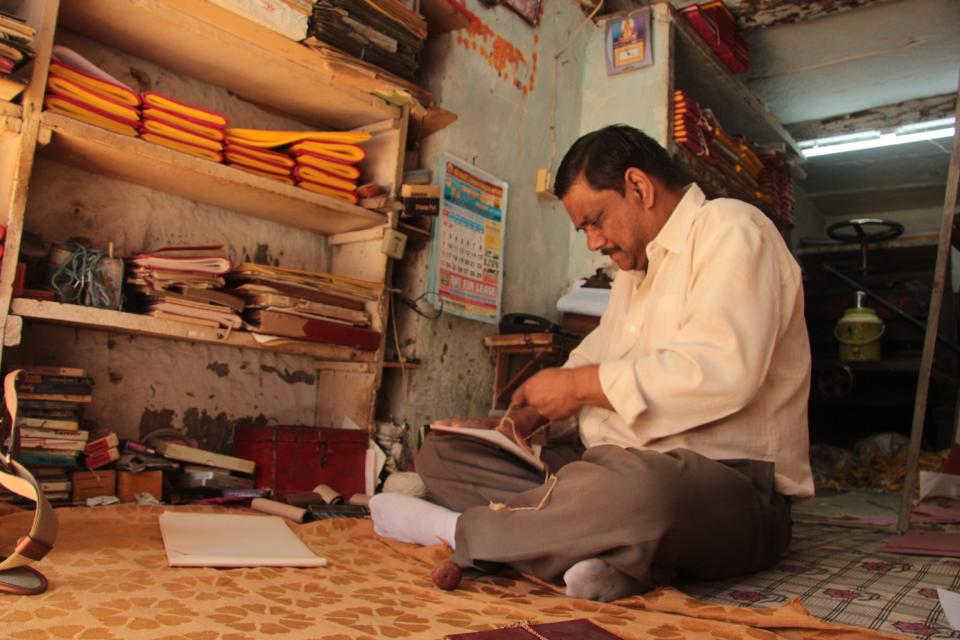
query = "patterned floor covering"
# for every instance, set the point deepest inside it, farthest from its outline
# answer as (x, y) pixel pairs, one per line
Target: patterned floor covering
(839, 576)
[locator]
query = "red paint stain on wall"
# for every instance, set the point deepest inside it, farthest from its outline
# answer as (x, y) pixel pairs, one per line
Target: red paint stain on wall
(501, 55)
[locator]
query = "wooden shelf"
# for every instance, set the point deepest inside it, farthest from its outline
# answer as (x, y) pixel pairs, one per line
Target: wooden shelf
(197, 38)
(714, 183)
(11, 118)
(700, 73)
(131, 159)
(109, 320)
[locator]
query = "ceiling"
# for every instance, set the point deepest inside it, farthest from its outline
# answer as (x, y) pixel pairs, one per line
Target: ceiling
(832, 66)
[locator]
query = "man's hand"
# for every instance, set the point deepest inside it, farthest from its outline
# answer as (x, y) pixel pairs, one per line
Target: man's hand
(559, 393)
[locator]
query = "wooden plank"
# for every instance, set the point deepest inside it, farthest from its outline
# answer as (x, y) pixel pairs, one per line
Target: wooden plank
(131, 159)
(109, 320)
(701, 74)
(522, 340)
(940, 275)
(17, 181)
(200, 39)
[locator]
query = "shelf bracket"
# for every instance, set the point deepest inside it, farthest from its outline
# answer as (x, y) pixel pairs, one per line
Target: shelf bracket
(44, 135)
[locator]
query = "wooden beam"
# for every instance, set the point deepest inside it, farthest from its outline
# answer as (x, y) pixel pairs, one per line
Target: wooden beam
(880, 118)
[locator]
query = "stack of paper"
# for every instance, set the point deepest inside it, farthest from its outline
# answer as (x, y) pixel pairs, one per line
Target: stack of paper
(16, 48)
(382, 32)
(184, 127)
(310, 305)
(82, 90)
(179, 282)
(322, 161)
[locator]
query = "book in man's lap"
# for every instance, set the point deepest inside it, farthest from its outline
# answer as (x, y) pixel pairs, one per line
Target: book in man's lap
(496, 438)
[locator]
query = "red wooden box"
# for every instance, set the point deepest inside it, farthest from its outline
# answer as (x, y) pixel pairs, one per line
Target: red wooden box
(291, 459)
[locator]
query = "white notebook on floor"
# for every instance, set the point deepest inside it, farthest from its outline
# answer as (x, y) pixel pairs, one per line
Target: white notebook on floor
(227, 540)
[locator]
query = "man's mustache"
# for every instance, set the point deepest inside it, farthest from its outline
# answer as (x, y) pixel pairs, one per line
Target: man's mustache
(609, 251)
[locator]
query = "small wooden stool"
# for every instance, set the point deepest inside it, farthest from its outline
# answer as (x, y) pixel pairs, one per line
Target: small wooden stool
(520, 355)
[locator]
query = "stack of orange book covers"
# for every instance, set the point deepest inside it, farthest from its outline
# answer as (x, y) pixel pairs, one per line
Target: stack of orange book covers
(82, 90)
(321, 161)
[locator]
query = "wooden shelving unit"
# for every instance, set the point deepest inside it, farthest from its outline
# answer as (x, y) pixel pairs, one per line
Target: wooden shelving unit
(199, 39)
(701, 74)
(134, 160)
(204, 42)
(109, 320)
(698, 71)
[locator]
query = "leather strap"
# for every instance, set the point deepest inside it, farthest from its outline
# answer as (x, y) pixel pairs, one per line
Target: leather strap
(15, 477)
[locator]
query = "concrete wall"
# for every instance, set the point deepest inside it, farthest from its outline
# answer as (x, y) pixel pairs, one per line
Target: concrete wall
(497, 76)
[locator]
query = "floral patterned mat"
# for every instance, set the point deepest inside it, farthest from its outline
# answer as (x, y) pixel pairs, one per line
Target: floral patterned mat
(109, 580)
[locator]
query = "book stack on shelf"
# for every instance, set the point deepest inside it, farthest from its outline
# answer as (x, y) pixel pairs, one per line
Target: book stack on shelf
(307, 305)
(180, 283)
(384, 33)
(50, 406)
(78, 88)
(16, 49)
(184, 127)
(714, 23)
(693, 127)
(324, 162)
(766, 178)
(101, 449)
(776, 187)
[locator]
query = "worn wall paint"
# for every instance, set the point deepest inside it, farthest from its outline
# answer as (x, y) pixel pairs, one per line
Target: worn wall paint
(637, 98)
(507, 106)
(142, 383)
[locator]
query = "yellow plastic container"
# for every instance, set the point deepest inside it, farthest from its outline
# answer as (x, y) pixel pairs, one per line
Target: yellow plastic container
(859, 332)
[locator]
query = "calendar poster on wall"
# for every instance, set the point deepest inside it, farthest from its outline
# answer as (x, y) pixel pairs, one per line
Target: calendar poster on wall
(467, 263)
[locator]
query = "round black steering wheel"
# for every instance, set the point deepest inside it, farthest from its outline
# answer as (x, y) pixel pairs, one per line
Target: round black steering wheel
(865, 230)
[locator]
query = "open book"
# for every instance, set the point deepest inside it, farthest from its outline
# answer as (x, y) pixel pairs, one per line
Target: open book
(496, 438)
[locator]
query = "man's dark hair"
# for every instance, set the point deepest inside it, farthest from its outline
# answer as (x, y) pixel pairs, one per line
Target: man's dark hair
(602, 157)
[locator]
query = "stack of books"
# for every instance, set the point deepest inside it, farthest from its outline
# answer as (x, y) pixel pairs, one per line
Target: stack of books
(16, 49)
(101, 450)
(180, 283)
(262, 162)
(184, 127)
(82, 90)
(384, 33)
(714, 23)
(321, 161)
(692, 126)
(50, 406)
(307, 305)
(776, 187)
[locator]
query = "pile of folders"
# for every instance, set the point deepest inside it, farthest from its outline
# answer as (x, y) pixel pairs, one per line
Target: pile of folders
(697, 130)
(384, 33)
(199, 285)
(324, 162)
(714, 23)
(16, 49)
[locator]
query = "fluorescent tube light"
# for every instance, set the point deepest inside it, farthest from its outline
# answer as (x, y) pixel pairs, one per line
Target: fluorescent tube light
(918, 132)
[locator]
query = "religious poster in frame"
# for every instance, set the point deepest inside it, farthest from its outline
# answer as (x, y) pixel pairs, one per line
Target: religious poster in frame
(529, 10)
(627, 41)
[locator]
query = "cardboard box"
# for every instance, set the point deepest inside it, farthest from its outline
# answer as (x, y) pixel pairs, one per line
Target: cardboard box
(90, 484)
(129, 484)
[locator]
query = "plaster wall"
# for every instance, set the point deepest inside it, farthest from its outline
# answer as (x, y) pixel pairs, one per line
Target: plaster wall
(638, 98)
(147, 383)
(498, 77)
